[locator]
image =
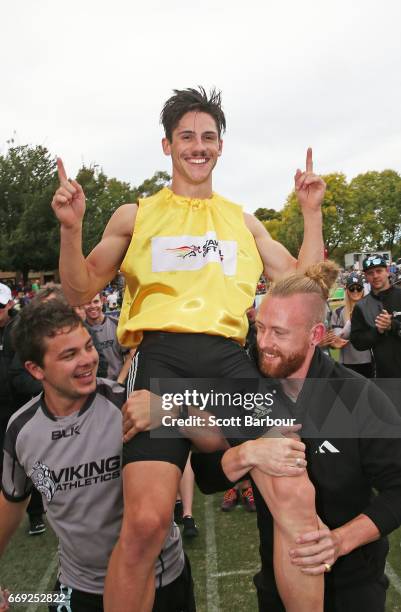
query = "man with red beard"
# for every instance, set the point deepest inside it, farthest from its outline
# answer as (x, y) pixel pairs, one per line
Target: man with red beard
(353, 446)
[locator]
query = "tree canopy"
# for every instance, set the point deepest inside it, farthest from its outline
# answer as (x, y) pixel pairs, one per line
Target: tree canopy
(29, 230)
(362, 215)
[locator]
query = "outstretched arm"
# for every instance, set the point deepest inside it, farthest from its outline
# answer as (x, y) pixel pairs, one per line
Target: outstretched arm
(82, 278)
(277, 261)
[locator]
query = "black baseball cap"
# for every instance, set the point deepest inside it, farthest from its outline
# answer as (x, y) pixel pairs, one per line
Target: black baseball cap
(354, 279)
(374, 261)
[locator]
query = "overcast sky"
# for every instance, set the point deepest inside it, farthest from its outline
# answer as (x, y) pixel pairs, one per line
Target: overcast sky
(88, 78)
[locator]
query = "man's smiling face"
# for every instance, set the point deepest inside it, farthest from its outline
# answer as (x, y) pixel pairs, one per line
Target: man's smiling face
(194, 148)
(286, 336)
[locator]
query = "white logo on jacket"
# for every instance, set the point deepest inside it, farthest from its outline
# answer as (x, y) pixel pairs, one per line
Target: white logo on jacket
(327, 447)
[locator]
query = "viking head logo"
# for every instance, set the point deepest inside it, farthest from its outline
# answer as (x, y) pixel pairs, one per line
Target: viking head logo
(41, 478)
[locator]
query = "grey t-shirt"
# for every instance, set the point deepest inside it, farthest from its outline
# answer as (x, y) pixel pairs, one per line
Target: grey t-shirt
(113, 352)
(75, 463)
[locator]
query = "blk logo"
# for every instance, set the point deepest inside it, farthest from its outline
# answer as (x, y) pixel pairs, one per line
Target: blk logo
(66, 433)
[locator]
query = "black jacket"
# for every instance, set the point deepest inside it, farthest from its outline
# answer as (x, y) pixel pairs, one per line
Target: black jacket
(7, 398)
(364, 335)
(344, 480)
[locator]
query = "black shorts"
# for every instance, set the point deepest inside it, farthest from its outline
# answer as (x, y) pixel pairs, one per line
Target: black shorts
(178, 596)
(164, 355)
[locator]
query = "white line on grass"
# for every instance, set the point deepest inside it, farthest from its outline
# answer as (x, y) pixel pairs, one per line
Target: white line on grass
(237, 573)
(212, 587)
(394, 579)
(44, 583)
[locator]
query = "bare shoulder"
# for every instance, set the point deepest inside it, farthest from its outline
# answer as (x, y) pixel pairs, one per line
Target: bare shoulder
(122, 221)
(255, 226)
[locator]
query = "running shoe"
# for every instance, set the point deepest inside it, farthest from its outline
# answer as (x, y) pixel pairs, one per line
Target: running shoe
(178, 512)
(190, 529)
(36, 525)
(247, 500)
(230, 500)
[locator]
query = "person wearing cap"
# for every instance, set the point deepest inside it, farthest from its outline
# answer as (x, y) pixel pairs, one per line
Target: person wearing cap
(376, 320)
(350, 357)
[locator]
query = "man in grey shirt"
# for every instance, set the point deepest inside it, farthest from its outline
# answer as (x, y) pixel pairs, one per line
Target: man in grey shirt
(67, 442)
(105, 327)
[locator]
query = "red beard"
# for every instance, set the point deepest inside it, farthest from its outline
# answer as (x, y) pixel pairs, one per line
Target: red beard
(287, 364)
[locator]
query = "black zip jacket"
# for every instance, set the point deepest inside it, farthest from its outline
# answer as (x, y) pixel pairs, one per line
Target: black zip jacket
(351, 475)
(7, 399)
(386, 347)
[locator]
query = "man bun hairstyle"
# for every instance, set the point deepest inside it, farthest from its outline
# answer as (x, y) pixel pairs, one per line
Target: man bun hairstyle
(323, 274)
(317, 280)
(186, 100)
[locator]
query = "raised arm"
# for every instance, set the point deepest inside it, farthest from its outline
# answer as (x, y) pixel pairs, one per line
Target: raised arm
(277, 261)
(82, 278)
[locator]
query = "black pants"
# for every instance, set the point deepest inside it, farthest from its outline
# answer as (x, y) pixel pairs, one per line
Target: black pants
(367, 597)
(178, 596)
(35, 507)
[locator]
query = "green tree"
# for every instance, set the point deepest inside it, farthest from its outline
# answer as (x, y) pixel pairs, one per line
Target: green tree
(376, 198)
(267, 214)
(337, 210)
(28, 228)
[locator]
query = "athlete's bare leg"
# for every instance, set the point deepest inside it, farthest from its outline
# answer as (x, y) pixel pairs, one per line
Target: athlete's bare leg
(292, 504)
(150, 489)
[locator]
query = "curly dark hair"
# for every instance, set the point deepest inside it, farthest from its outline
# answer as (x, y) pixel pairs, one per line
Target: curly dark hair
(38, 321)
(186, 100)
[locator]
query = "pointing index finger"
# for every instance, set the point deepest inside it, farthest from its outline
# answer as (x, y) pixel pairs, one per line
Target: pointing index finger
(62, 175)
(309, 161)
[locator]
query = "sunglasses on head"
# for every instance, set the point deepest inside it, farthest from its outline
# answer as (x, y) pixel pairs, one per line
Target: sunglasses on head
(374, 261)
(354, 288)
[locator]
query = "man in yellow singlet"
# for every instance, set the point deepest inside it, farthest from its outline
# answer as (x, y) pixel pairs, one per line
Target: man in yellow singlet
(191, 260)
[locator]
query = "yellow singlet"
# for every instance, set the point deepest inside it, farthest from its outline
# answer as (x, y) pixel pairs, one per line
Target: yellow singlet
(192, 267)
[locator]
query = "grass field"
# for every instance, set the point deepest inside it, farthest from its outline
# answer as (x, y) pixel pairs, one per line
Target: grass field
(224, 558)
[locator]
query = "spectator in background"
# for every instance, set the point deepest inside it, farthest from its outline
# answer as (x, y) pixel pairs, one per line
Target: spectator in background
(36, 286)
(105, 327)
(376, 320)
(350, 357)
(103, 365)
(112, 303)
